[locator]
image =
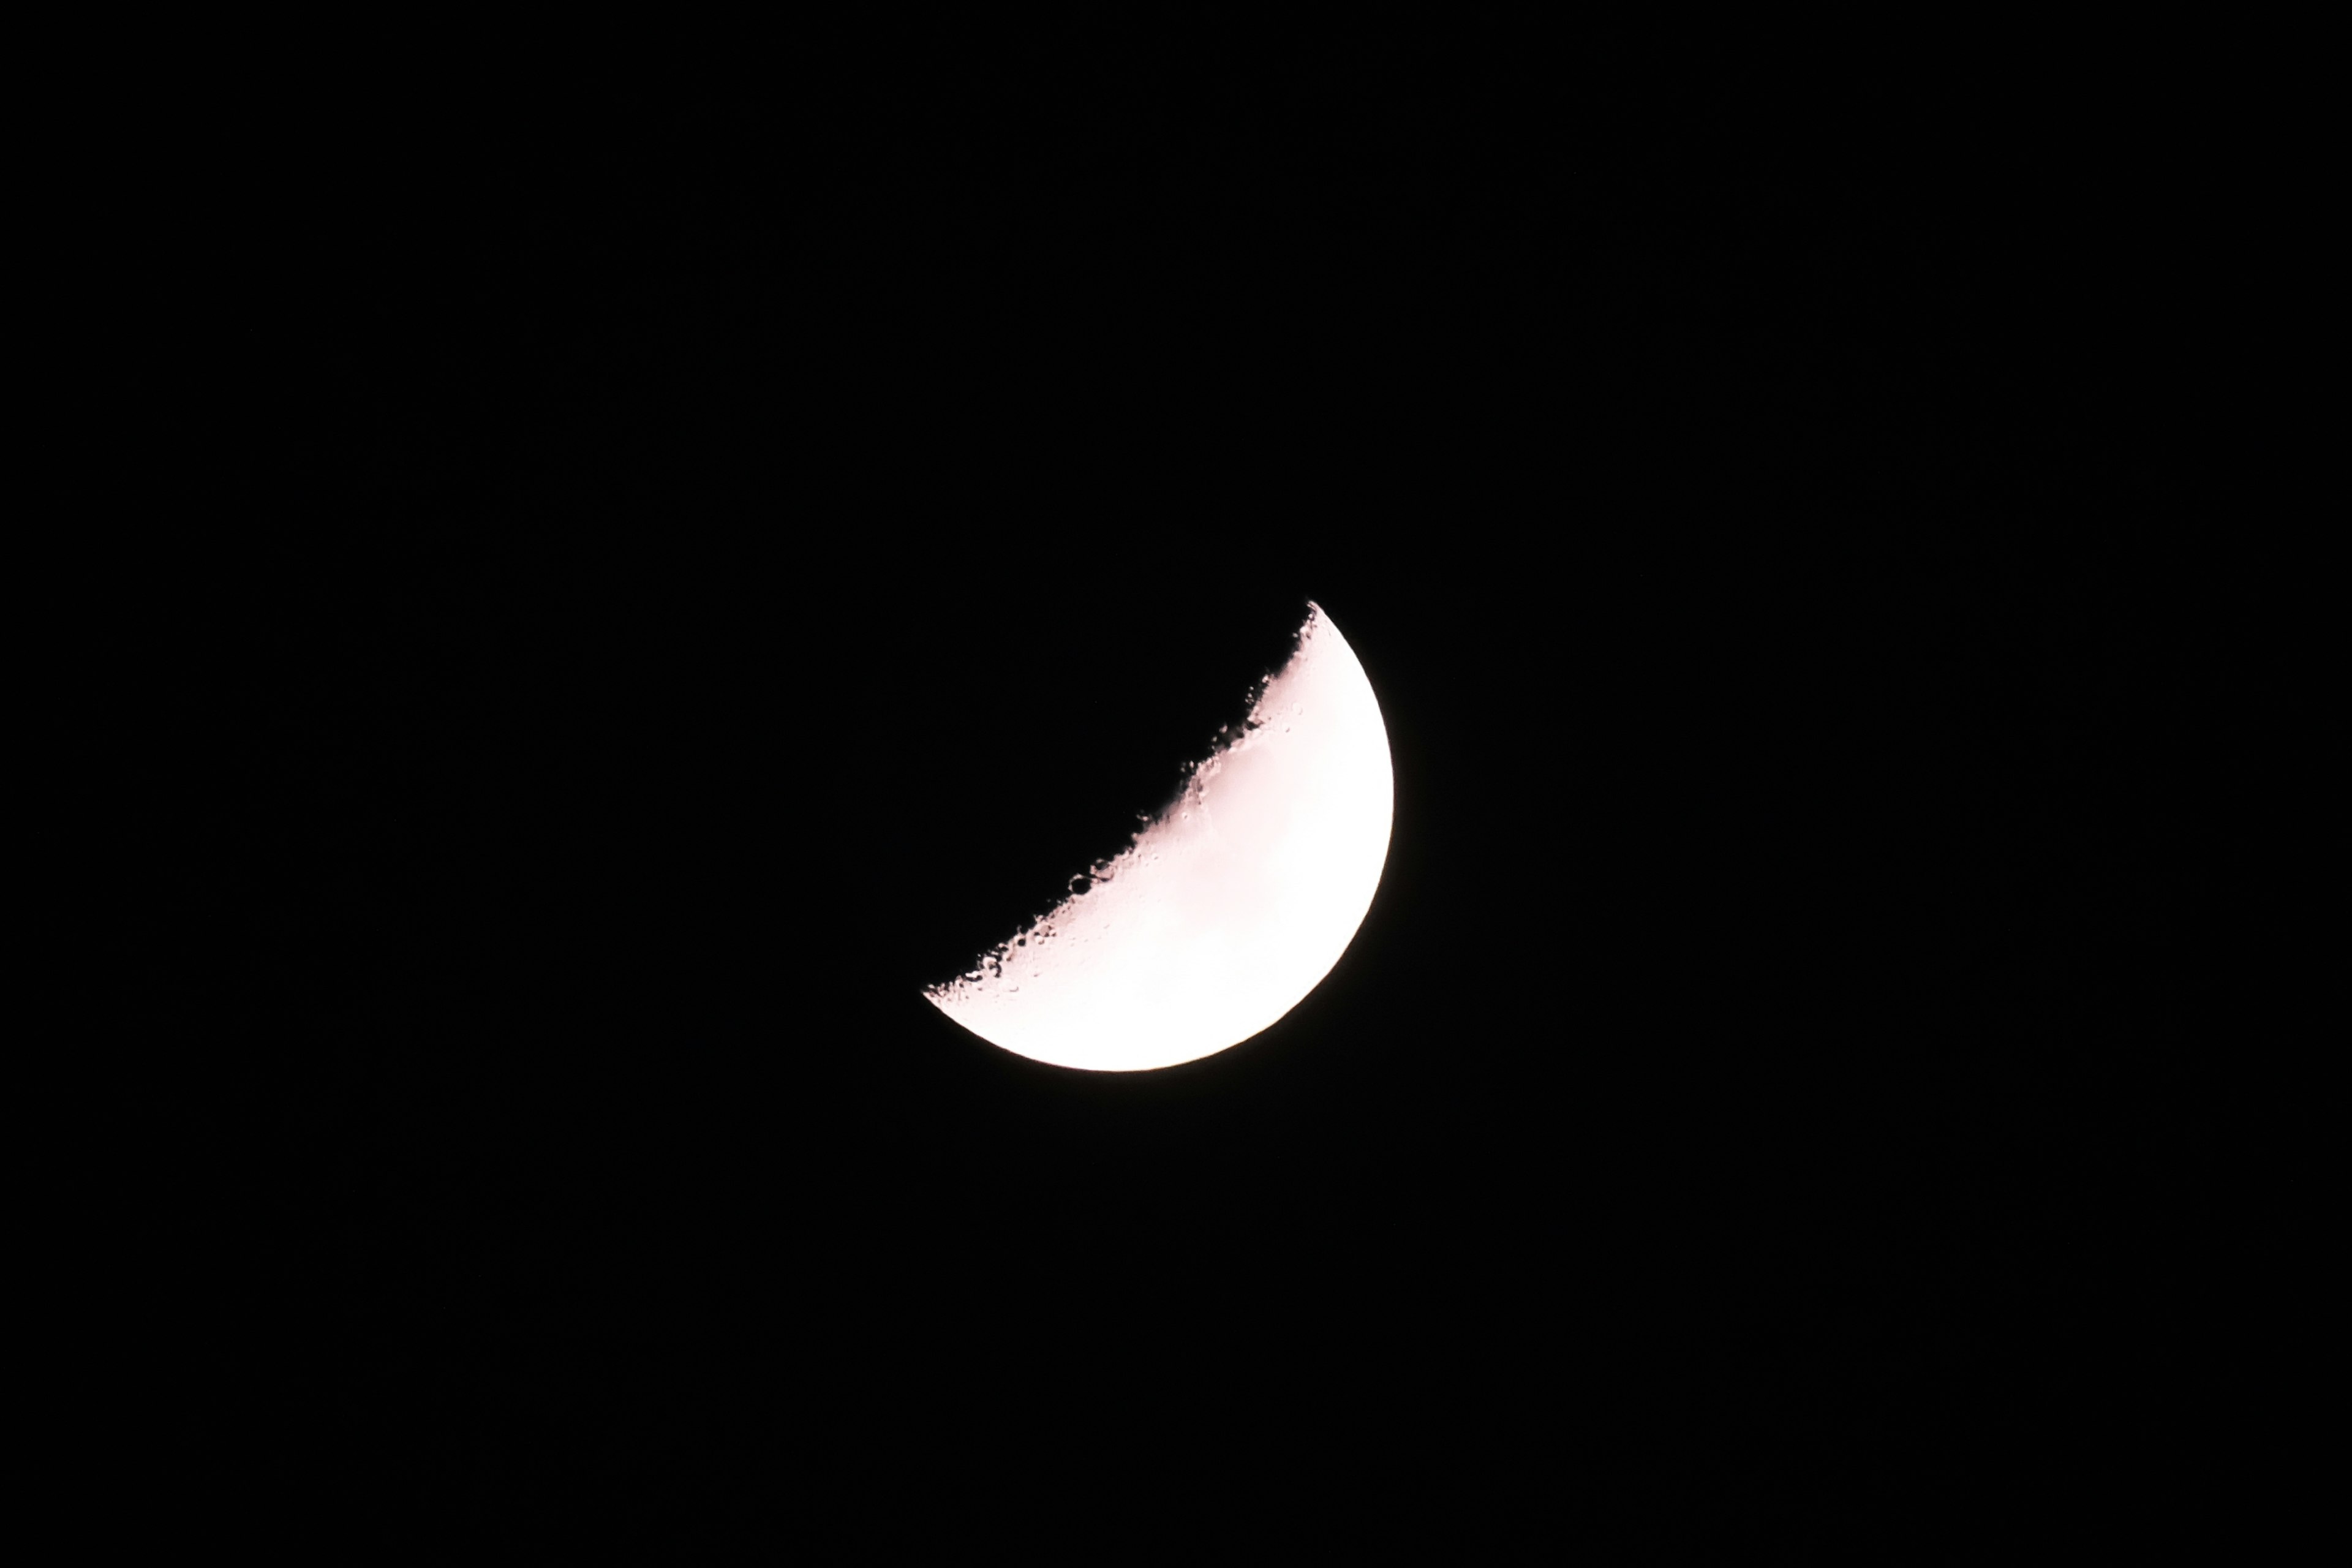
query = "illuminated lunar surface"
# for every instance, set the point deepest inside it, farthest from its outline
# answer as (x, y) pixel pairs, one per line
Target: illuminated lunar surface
(1228, 907)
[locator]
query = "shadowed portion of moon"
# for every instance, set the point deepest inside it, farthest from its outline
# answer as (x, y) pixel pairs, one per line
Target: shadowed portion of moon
(1226, 908)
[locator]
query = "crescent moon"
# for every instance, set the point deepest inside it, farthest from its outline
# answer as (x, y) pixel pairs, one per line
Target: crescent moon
(1225, 909)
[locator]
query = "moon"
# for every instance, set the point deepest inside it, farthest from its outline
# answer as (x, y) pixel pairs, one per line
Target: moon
(1225, 909)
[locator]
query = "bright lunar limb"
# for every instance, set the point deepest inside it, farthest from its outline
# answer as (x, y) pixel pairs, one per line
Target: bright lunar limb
(1228, 907)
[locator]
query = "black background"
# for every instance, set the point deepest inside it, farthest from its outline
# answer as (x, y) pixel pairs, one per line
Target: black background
(754, 540)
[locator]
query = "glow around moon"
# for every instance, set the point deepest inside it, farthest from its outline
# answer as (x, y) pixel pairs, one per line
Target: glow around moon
(1225, 910)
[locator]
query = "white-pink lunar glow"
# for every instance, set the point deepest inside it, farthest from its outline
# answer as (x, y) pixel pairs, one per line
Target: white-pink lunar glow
(1228, 907)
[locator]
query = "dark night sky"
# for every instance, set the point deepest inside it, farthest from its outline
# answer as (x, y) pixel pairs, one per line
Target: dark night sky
(763, 540)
